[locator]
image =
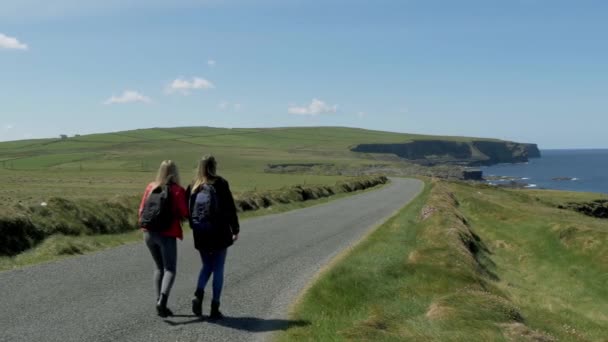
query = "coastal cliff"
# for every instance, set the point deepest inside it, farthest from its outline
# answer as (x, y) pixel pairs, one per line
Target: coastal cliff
(473, 153)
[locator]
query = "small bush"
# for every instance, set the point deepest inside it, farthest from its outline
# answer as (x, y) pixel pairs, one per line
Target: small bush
(18, 234)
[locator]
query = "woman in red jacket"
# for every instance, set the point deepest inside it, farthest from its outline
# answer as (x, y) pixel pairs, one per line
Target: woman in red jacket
(161, 238)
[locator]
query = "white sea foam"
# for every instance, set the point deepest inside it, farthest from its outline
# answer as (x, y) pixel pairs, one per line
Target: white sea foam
(531, 186)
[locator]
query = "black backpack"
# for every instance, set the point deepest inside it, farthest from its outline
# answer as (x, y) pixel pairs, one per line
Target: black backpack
(156, 215)
(204, 209)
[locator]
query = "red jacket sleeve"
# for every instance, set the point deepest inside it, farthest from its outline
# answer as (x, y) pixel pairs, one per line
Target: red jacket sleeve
(180, 207)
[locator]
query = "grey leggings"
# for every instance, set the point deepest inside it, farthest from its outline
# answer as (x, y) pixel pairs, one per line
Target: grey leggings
(164, 253)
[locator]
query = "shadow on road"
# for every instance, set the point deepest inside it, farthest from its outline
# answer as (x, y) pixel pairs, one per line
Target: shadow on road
(253, 324)
(250, 324)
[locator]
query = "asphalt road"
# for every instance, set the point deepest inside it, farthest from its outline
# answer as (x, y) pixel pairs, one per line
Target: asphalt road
(109, 296)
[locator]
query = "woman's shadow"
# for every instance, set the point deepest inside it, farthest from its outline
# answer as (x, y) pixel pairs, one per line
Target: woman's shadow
(251, 324)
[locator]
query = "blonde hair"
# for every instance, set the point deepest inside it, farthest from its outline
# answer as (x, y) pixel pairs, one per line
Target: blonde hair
(167, 173)
(206, 171)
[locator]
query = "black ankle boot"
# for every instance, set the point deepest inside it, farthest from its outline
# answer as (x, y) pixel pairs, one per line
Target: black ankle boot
(161, 306)
(197, 302)
(215, 311)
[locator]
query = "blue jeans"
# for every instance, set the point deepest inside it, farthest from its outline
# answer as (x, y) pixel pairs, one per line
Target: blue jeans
(213, 263)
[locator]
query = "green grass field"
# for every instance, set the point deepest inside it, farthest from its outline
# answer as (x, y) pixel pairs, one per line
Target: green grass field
(468, 263)
(102, 165)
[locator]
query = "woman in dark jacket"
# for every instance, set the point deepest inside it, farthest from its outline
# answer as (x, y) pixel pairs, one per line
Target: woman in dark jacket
(212, 242)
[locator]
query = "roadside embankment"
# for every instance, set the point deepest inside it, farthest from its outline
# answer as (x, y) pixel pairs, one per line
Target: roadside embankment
(24, 227)
(467, 263)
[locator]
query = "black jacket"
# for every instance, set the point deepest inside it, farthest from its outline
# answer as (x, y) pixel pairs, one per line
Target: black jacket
(228, 223)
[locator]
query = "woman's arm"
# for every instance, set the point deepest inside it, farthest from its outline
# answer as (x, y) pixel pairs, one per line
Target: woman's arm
(230, 208)
(188, 195)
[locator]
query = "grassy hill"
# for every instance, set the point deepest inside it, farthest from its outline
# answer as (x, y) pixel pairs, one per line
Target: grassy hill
(122, 162)
(141, 149)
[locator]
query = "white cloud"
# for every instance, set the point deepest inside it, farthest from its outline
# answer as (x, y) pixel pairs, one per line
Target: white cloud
(316, 107)
(11, 43)
(185, 86)
(361, 114)
(224, 106)
(8, 126)
(128, 96)
(211, 63)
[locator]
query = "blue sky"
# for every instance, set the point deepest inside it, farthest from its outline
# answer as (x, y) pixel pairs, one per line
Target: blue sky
(524, 70)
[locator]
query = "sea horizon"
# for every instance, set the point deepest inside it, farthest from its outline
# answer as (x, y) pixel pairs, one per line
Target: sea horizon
(584, 170)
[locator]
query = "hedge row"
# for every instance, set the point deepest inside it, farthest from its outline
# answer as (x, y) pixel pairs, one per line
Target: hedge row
(23, 227)
(255, 200)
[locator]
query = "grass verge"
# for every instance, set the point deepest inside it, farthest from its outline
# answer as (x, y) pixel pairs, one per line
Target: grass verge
(467, 263)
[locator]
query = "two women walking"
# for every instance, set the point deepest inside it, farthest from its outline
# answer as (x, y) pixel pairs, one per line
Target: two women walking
(209, 205)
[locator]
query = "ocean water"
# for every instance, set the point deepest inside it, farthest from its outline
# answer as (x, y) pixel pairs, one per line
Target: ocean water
(587, 168)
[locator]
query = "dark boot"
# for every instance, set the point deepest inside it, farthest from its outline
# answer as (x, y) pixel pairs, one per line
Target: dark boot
(215, 311)
(197, 302)
(161, 307)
